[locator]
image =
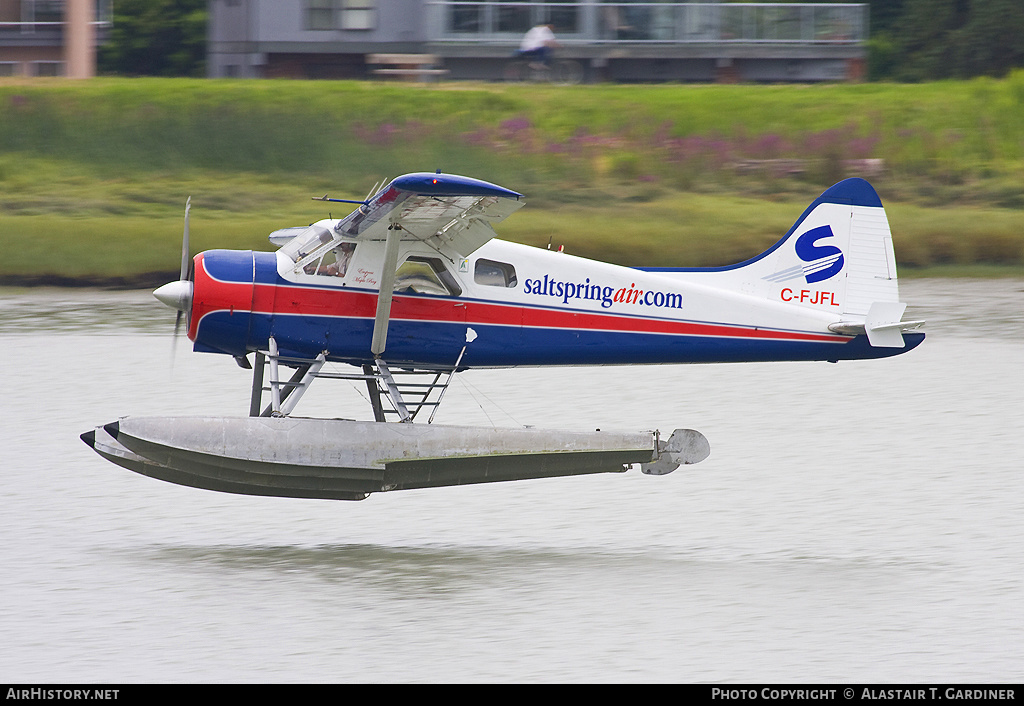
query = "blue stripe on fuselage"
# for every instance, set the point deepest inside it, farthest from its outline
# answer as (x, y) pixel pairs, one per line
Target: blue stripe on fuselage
(428, 343)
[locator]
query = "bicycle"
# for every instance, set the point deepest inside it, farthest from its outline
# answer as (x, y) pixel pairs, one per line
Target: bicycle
(561, 72)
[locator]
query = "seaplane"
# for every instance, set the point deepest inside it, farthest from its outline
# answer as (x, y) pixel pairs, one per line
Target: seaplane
(413, 287)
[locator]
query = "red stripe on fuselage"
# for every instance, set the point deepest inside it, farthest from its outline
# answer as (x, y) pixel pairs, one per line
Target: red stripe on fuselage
(298, 300)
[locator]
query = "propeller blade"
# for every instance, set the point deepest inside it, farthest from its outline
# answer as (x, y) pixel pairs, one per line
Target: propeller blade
(178, 294)
(184, 243)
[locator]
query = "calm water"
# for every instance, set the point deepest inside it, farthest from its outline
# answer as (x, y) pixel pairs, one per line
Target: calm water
(855, 522)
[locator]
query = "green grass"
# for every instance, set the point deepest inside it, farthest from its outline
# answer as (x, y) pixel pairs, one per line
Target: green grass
(94, 174)
(949, 134)
(694, 230)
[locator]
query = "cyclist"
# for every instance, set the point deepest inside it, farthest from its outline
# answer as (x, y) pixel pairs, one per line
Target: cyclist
(537, 45)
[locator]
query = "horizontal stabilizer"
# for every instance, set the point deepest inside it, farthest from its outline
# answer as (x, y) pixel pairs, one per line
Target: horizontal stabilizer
(857, 328)
(882, 324)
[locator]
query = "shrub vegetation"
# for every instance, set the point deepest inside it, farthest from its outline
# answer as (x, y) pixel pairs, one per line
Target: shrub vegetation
(94, 175)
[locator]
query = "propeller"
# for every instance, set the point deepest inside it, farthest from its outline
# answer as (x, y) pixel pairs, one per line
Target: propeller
(178, 295)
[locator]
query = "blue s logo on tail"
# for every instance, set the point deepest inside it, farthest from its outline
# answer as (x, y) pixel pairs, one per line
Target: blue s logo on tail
(824, 261)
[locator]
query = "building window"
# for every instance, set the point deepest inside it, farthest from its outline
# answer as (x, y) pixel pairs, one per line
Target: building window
(320, 14)
(47, 10)
(358, 14)
(104, 11)
(341, 14)
(9, 68)
(39, 11)
(467, 17)
(47, 68)
(515, 19)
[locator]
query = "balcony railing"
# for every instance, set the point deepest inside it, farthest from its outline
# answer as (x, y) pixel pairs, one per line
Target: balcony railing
(17, 28)
(46, 17)
(596, 21)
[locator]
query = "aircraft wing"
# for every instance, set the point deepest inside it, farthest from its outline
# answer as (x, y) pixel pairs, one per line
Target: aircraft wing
(443, 209)
(446, 211)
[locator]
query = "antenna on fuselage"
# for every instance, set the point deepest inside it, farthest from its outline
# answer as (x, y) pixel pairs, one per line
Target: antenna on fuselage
(325, 198)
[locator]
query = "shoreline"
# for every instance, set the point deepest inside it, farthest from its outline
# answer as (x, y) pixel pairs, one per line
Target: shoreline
(152, 280)
(145, 280)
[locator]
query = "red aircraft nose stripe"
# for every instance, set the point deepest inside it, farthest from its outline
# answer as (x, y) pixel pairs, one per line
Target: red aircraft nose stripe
(211, 294)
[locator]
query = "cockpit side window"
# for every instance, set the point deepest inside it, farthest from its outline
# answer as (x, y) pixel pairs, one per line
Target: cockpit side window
(426, 275)
(318, 251)
(494, 274)
(334, 262)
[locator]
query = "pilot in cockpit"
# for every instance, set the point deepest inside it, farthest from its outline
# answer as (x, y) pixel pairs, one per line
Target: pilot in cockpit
(343, 253)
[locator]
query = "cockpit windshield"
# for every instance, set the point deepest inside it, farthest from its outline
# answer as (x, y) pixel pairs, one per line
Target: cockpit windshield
(307, 242)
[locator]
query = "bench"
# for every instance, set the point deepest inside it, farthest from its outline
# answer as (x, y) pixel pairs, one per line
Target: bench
(421, 66)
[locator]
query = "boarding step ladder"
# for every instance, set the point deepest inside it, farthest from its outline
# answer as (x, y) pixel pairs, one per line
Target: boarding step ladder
(406, 392)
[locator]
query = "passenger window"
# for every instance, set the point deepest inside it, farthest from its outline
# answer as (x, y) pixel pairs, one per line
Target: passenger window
(425, 275)
(494, 274)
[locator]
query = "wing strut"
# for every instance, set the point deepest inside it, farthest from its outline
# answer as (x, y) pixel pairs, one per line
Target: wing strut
(406, 397)
(383, 315)
(283, 395)
(384, 296)
(380, 382)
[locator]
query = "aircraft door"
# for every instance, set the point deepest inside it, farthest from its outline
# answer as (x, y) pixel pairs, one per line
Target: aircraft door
(498, 318)
(428, 315)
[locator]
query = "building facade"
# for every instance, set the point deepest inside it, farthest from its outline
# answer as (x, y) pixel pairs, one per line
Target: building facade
(41, 38)
(617, 41)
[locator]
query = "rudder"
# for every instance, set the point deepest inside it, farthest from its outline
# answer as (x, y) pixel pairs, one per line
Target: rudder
(837, 257)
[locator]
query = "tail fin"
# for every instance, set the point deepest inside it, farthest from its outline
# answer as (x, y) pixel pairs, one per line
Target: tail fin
(838, 257)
